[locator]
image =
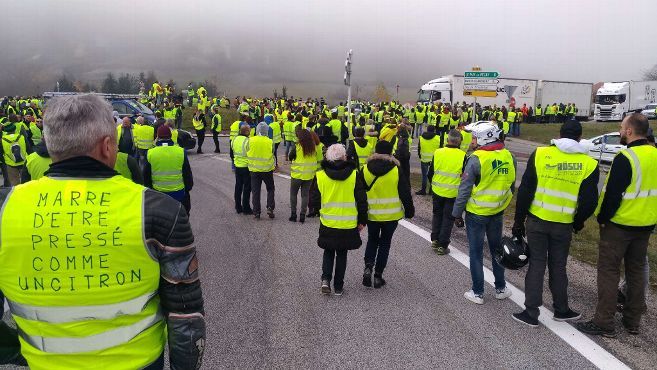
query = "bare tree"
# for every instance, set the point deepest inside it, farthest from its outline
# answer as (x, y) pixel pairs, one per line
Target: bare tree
(651, 74)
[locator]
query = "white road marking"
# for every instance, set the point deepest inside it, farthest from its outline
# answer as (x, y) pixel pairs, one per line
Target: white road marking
(597, 355)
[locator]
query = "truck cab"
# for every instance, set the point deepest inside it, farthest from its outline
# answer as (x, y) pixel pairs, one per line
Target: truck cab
(611, 101)
(439, 89)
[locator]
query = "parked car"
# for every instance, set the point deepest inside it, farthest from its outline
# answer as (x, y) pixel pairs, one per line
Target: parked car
(649, 111)
(604, 148)
(132, 108)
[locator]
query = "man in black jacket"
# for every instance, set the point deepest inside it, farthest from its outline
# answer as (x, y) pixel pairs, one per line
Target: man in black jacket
(557, 194)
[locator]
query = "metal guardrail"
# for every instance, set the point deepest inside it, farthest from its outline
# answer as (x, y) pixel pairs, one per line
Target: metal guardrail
(52, 94)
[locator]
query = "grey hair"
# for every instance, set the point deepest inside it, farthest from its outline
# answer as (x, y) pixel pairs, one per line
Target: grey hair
(74, 124)
(454, 137)
(336, 152)
(262, 129)
(140, 120)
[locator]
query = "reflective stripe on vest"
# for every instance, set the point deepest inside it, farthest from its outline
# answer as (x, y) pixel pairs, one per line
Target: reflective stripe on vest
(166, 168)
(428, 148)
(276, 132)
(383, 197)
(493, 193)
(639, 204)
(239, 146)
(363, 153)
(559, 177)
(260, 154)
(338, 209)
(303, 167)
(144, 136)
(447, 170)
(94, 298)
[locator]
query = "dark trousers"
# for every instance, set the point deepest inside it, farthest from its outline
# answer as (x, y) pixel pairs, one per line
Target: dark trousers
(339, 259)
(215, 138)
(515, 129)
(276, 153)
(379, 239)
(617, 244)
(200, 138)
(257, 178)
(405, 166)
(442, 132)
(549, 243)
(295, 186)
(242, 189)
(442, 220)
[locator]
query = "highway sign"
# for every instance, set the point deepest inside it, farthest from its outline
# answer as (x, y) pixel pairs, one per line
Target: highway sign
(479, 93)
(485, 87)
(475, 81)
(481, 74)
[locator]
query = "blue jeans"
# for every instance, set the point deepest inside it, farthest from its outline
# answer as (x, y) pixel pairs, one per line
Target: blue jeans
(476, 228)
(425, 172)
(515, 129)
(419, 127)
(288, 147)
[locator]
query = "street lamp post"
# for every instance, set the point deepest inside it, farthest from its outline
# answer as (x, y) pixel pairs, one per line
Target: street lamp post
(347, 81)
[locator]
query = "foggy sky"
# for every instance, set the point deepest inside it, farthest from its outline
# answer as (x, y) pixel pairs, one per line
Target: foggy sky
(248, 43)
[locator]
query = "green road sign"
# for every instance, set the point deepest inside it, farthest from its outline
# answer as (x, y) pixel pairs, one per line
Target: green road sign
(481, 74)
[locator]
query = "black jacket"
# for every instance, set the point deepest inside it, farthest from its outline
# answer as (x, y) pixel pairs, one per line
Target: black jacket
(587, 199)
(340, 239)
(381, 164)
(619, 178)
(168, 236)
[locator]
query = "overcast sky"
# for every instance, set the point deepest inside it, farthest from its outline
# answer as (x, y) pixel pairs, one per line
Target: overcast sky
(405, 42)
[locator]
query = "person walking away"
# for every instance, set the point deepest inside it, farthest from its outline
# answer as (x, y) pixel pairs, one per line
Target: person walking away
(126, 140)
(240, 147)
(216, 129)
(429, 143)
(402, 151)
(167, 169)
(144, 137)
(360, 149)
(389, 200)
(627, 214)
(128, 167)
(275, 128)
(558, 192)
(302, 171)
(143, 288)
(261, 166)
(486, 189)
(343, 215)
(445, 172)
(15, 148)
(37, 163)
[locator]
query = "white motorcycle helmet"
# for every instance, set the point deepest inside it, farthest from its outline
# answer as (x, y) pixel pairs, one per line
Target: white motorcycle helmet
(486, 133)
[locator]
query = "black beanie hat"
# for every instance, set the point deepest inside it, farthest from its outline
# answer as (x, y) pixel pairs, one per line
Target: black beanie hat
(383, 147)
(571, 129)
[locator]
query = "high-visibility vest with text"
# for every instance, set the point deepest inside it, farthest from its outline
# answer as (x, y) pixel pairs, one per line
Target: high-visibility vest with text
(493, 192)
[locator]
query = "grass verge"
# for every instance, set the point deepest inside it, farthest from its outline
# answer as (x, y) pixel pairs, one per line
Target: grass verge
(543, 133)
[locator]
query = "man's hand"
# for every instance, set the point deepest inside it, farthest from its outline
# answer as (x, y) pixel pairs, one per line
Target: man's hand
(360, 227)
(518, 230)
(458, 221)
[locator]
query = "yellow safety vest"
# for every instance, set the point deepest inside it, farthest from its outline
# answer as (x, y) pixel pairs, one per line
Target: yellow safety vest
(466, 140)
(303, 167)
(36, 133)
(338, 201)
(319, 151)
(447, 170)
(121, 165)
(363, 153)
(538, 111)
(240, 146)
(216, 119)
(510, 117)
(143, 135)
(198, 124)
(639, 204)
(166, 168)
(428, 147)
(276, 132)
(260, 154)
(234, 129)
(37, 165)
(15, 140)
(336, 128)
(81, 284)
(383, 197)
(493, 193)
(559, 176)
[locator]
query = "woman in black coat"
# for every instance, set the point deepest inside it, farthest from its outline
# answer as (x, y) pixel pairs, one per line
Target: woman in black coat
(337, 242)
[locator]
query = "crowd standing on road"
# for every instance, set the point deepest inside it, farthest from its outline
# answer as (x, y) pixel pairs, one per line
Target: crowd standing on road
(351, 169)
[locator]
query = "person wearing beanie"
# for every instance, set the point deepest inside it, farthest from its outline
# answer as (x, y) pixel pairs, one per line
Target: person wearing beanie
(558, 192)
(389, 200)
(167, 169)
(261, 164)
(343, 215)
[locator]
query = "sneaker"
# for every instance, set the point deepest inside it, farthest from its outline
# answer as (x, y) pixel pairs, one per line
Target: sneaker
(434, 244)
(569, 315)
(378, 281)
(589, 327)
(238, 210)
(367, 277)
(524, 318)
(630, 329)
(441, 251)
(270, 213)
(326, 287)
(256, 216)
(302, 218)
(475, 298)
(420, 192)
(502, 293)
(293, 218)
(338, 292)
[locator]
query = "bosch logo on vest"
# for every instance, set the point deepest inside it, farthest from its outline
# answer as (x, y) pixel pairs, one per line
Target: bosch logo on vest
(566, 166)
(501, 167)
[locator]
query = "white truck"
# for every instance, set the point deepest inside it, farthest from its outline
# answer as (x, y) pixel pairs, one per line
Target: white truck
(512, 91)
(616, 99)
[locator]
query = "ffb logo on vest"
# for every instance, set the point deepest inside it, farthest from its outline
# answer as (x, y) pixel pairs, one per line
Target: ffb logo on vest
(500, 166)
